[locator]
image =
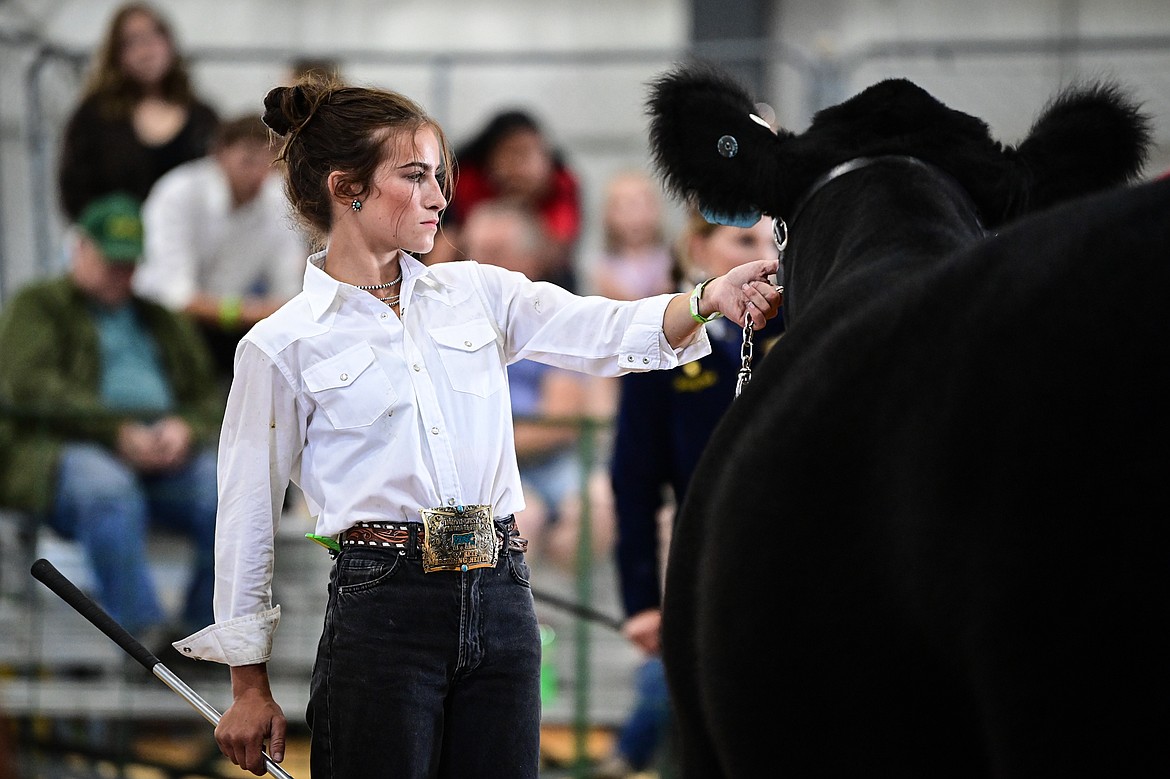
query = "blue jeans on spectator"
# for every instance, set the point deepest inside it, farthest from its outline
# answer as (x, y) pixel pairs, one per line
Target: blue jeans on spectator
(649, 723)
(108, 507)
(412, 666)
(554, 479)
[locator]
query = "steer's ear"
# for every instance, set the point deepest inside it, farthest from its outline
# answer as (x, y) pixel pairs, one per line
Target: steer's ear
(709, 146)
(1089, 137)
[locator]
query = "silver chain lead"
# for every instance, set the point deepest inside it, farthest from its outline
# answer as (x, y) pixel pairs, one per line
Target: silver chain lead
(745, 358)
(780, 236)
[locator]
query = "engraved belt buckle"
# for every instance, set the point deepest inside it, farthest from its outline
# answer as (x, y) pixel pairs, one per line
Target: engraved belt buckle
(458, 538)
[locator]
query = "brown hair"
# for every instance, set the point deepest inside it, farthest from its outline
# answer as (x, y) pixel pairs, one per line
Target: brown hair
(249, 127)
(117, 91)
(329, 126)
(320, 66)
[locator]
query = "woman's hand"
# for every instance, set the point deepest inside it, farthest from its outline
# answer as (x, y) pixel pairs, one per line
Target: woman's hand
(744, 291)
(253, 718)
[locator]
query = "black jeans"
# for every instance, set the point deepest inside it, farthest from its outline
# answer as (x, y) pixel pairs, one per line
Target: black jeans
(424, 675)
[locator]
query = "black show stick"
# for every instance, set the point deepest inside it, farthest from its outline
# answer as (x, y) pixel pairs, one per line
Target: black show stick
(46, 573)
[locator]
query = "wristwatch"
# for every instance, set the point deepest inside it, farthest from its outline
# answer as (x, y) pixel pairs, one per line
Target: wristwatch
(696, 295)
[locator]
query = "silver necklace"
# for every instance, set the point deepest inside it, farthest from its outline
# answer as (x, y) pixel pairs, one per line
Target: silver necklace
(387, 285)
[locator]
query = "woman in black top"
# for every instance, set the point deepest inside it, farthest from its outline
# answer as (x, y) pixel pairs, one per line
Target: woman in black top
(138, 115)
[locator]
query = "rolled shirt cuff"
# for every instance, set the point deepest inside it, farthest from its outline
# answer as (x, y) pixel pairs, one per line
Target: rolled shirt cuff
(244, 640)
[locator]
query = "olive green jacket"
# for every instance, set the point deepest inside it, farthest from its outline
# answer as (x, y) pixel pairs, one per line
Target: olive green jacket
(50, 378)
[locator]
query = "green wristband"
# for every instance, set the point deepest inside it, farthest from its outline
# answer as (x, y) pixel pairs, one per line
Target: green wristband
(697, 295)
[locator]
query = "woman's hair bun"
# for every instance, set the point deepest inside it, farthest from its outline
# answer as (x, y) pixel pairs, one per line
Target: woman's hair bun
(274, 115)
(286, 108)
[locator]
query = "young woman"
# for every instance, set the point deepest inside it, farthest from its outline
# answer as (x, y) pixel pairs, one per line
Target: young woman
(138, 116)
(380, 390)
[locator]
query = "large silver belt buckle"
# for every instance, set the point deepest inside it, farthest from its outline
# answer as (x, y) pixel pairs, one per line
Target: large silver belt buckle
(458, 538)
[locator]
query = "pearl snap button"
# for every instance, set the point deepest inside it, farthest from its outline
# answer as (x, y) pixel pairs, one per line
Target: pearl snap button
(345, 377)
(467, 344)
(450, 501)
(416, 367)
(434, 431)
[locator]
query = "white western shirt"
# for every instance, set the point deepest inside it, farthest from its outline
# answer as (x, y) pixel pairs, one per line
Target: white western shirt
(376, 417)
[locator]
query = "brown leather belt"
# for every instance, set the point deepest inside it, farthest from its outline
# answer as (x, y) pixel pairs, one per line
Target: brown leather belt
(407, 537)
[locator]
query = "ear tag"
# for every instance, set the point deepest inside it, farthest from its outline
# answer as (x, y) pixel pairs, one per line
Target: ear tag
(727, 146)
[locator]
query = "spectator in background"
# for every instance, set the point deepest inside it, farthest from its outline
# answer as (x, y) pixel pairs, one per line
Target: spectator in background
(663, 422)
(507, 234)
(317, 67)
(121, 415)
(138, 116)
(636, 262)
(221, 241)
(512, 159)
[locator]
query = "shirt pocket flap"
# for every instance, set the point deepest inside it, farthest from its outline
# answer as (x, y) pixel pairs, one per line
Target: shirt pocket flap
(340, 370)
(470, 367)
(469, 337)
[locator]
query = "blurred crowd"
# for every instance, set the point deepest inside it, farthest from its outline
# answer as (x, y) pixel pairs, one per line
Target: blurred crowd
(114, 375)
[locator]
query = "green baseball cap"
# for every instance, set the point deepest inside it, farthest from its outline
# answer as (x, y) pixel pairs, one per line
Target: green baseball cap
(114, 222)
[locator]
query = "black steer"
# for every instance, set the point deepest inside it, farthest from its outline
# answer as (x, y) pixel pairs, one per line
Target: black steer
(929, 539)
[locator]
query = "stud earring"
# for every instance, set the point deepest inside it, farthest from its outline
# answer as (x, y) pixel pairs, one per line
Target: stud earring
(356, 205)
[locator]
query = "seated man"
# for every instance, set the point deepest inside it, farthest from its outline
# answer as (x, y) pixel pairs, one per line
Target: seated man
(221, 243)
(116, 414)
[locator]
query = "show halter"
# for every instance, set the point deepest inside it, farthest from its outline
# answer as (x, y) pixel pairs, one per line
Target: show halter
(780, 235)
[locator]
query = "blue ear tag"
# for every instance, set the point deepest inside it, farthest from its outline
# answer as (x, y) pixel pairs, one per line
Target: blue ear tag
(742, 219)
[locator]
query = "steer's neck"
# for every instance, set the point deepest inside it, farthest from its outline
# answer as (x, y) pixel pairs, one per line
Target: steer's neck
(878, 222)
